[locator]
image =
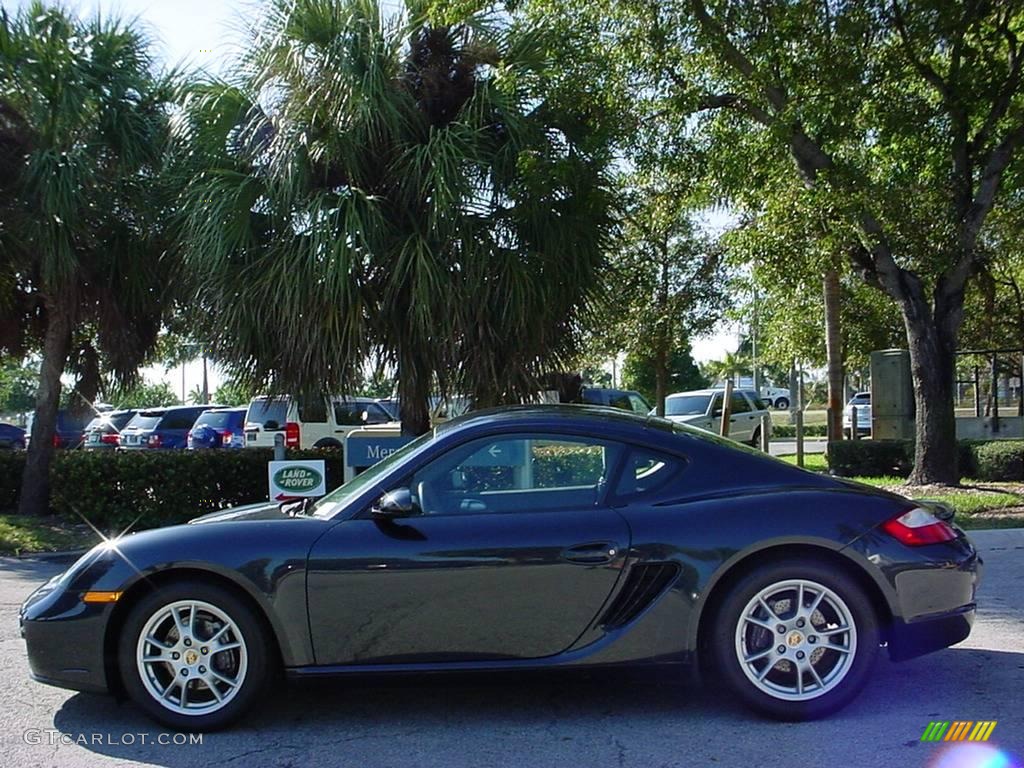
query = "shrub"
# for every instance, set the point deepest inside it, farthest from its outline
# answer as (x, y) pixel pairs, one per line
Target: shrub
(871, 458)
(789, 430)
(150, 488)
(997, 460)
(989, 460)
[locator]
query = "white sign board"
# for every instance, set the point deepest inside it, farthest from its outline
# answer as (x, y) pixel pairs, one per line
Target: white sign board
(297, 479)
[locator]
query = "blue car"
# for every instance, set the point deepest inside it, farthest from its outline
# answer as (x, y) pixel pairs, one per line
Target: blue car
(218, 428)
(160, 428)
(12, 438)
(70, 429)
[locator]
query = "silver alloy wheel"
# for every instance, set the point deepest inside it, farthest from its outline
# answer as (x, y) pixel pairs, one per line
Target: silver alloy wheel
(796, 640)
(191, 657)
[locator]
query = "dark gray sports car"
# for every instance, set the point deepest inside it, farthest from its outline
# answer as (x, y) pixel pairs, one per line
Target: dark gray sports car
(554, 536)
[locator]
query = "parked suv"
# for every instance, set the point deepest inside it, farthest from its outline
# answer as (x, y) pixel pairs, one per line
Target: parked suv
(101, 433)
(862, 402)
(309, 423)
(703, 408)
(12, 438)
(218, 428)
(69, 431)
(626, 399)
(160, 428)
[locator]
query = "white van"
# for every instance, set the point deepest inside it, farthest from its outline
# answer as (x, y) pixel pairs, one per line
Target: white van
(313, 423)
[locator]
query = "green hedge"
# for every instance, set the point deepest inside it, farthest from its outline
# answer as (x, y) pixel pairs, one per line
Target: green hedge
(152, 488)
(789, 430)
(990, 460)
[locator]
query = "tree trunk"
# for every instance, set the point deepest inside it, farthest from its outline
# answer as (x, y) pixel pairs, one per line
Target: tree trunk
(35, 482)
(834, 353)
(932, 341)
(414, 398)
(660, 379)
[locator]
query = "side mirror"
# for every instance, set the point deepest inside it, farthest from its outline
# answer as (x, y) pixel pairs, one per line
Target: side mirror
(395, 504)
(716, 412)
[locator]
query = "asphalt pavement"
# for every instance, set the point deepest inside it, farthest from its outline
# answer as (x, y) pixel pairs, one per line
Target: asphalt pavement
(619, 719)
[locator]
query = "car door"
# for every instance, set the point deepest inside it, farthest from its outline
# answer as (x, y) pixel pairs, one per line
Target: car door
(742, 418)
(511, 555)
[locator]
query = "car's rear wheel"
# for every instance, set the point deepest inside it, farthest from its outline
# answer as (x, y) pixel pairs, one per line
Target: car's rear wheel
(193, 656)
(796, 640)
(782, 403)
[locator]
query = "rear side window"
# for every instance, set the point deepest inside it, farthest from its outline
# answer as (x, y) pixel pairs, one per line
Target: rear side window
(619, 400)
(348, 414)
(183, 419)
(313, 409)
(647, 472)
(739, 403)
(638, 404)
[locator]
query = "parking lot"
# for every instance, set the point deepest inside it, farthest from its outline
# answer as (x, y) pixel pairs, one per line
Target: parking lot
(621, 718)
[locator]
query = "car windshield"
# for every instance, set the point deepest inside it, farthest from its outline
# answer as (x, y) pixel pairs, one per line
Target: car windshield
(218, 419)
(687, 405)
(268, 411)
(146, 419)
(337, 499)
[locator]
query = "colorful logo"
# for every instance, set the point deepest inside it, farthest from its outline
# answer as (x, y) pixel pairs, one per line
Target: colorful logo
(297, 479)
(959, 730)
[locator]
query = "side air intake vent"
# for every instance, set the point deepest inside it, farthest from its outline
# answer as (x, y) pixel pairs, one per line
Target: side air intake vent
(643, 584)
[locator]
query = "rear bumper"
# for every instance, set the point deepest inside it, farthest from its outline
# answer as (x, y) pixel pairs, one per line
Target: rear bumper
(930, 633)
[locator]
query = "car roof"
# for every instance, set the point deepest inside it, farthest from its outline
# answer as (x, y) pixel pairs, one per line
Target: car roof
(714, 391)
(580, 417)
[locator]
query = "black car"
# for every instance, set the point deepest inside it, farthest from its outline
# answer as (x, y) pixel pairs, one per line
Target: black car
(522, 538)
(626, 399)
(12, 438)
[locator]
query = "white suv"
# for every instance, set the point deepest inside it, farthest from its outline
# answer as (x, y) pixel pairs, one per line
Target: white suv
(313, 423)
(862, 402)
(703, 408)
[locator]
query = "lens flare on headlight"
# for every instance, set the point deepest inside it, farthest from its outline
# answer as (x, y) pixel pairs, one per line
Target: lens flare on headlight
(973, 756)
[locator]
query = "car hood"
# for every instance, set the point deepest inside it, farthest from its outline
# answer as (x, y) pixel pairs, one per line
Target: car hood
(261, 510)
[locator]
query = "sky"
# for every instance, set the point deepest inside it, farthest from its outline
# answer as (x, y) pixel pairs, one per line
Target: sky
(202, 34)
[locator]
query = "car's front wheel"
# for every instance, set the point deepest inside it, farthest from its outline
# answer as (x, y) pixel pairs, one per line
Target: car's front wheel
(796, 640)
(193, 656)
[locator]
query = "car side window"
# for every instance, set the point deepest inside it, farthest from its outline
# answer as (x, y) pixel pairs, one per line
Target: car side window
(646, 472)
(716, 405)
(348, 414)
(313, 410)
(738, 403)
(511, 474)
(638, 405)
(619, 400)
(179, 420)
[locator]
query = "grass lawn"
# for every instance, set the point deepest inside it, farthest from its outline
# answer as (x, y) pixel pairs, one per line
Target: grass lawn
(810, 417)
(23, 534)
(978, 504)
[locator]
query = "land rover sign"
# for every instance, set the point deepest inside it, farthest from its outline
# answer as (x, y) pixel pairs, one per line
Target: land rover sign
(297, 479)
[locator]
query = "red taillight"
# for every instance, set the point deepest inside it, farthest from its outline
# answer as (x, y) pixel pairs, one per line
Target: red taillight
(225, 437)
(56, 441)
(154, 441)
(291, 435)
(919, 527)
(110, 439)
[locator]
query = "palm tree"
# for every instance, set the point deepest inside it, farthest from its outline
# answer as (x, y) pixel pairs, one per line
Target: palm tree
(82, 122)
(391, 189)
(730, 367)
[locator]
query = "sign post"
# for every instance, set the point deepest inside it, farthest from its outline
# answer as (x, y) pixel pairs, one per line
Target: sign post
(297, 479)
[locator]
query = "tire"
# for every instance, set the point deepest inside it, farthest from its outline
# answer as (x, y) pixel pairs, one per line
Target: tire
(247, 662)
(782, 404)
(755, 439)
(837, 676)
(327, 442)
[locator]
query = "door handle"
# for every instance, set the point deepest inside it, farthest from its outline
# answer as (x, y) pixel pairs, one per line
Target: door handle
(594, 553)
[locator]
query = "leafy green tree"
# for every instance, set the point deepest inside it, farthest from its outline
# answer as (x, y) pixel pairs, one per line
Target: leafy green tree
(732, 366)
(145, 394)
(399, 189)
(232, 392)
(640, 372)
(81, 137)
(18, 384)
(902, 118)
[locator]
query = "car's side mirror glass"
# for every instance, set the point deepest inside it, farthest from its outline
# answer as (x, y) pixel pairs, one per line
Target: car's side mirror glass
(395, 504)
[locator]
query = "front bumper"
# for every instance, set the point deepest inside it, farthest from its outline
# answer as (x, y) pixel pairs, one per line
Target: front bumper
(64, 639)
